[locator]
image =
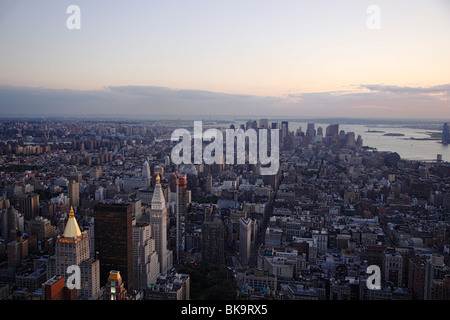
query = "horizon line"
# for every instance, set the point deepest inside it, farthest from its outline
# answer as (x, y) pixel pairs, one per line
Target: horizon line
(217, 117)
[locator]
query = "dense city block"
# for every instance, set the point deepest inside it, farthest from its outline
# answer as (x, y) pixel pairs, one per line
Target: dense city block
(104, 195)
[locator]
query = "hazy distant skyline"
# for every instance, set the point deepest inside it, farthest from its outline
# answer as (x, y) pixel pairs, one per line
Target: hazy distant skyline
(289, 58)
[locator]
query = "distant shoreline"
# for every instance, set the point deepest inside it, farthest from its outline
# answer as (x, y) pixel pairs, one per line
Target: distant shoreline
(394, 134)
(433, 136)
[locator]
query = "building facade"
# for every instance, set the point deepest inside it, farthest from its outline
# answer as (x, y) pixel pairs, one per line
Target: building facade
(114, 240)
(158, 224)
(72, 248)
(145, 258)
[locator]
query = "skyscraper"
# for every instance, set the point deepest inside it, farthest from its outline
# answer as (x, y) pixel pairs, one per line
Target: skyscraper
(181, 212)
(146, 171)
(285, 127)
(310, 130)
(213, 237)
(114, 240)
(245, 230)
(17, 252)
(158, 224)
(332, 131)
(73, 192)
(145, 258)
(28, 204)
(9, 224)
(72, 248)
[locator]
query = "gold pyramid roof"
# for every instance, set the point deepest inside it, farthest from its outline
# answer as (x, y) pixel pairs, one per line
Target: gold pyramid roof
(72, 230)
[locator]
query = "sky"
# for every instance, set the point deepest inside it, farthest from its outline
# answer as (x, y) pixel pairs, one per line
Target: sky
(249, 57)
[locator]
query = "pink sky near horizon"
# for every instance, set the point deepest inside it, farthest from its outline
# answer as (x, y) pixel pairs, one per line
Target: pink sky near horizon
(305, 56)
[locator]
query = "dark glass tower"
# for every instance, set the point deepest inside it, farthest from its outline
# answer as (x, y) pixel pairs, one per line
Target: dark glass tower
(113, 240)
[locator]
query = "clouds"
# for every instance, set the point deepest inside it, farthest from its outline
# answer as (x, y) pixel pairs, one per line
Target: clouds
(36, 101)
(439, 89)
(364, 100)
(137, 100)
(378, 100)
(162, 100)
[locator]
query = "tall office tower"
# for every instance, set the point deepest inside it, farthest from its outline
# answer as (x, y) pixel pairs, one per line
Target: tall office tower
(350, 140)
(341, 139)
(28, 204)
(284, 132)
(146, 171)
(285, 127)
(73, 192)
(181, 214)
(72, 248)
(90, 278)
(10, 224)
(158, 224)
(113, 229)
(213, 237)
(173, 180)
(331, 135)
(182, 189)
(145, 257)
(435, 269)
(90, 230)
(115, 288)
(245, 235)
(332, 131)
(446, 133)
(17, 252)
(41, 227)
(310, 130)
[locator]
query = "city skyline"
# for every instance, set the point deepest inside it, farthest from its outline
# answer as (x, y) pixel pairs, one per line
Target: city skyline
(105, 196)
(226, 58)
(251, 152)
